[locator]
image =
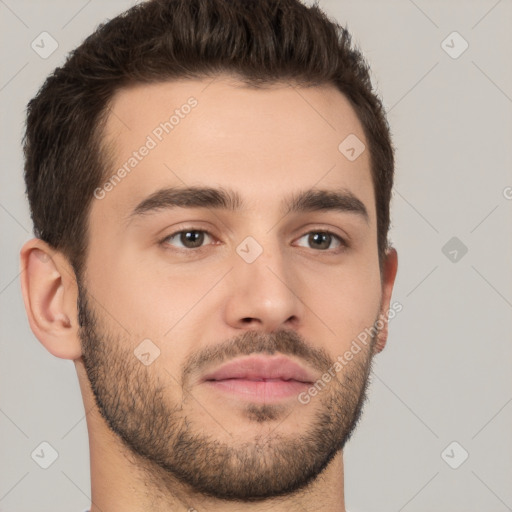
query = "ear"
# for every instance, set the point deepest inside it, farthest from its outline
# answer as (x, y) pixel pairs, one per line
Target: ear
(389, 271)
(50, 293)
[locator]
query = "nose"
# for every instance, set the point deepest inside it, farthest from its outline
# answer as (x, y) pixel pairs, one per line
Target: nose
(263, 295)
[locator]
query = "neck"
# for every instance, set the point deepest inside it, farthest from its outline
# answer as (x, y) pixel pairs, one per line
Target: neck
(123, 482)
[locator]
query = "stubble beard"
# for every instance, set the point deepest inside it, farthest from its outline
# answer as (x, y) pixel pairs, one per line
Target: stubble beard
(171, 443)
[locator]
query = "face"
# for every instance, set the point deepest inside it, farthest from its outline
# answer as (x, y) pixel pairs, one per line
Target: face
(230, 265)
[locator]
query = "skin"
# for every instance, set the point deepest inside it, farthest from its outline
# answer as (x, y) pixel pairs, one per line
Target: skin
(264, 144)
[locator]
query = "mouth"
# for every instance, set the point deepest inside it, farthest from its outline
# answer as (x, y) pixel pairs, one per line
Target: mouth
(259, 379)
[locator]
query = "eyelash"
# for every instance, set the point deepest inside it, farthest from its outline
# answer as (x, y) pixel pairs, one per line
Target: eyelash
(343, 244)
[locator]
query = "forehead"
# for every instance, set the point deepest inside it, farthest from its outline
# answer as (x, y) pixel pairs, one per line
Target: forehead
(219, 132)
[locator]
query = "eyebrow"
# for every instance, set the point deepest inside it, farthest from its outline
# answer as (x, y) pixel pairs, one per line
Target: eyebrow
(225, 199)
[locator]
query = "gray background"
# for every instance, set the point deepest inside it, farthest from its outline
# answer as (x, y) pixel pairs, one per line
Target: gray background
(445, 375)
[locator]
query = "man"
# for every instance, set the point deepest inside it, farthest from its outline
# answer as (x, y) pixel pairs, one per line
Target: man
(209, 182)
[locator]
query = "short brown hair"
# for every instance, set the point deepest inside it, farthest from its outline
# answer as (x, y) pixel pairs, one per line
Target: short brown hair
(259, 41)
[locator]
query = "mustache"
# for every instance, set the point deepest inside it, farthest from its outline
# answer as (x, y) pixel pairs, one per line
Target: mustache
(286, 342)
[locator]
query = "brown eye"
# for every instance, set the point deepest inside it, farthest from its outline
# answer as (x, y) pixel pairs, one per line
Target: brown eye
(187, 239)
(322, 240)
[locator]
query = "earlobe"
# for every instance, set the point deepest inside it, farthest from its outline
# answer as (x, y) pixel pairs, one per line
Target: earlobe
(49, 291)
(388, 280)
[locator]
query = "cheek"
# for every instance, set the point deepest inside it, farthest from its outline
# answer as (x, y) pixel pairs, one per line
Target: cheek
(152, 298)
(345, 299)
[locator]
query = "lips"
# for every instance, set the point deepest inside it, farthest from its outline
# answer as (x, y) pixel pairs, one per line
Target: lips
(259, 379)
(261, 368)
